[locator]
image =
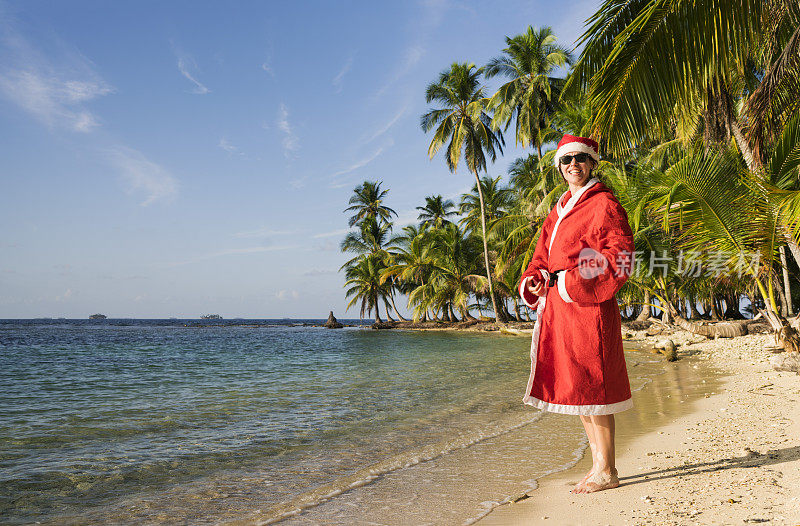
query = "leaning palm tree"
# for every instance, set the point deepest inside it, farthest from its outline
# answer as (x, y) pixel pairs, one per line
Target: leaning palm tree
(531, 95)
(463, 124)
(367, 201)
(706, 201)
(436, 212)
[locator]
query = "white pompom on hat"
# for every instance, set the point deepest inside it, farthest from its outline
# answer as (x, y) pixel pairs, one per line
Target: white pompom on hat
(571, 143)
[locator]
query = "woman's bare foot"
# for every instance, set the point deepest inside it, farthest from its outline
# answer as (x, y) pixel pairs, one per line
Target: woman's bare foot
(582, 483)
(600, 481)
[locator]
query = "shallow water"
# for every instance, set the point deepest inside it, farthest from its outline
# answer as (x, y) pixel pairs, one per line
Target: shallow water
(152, 421)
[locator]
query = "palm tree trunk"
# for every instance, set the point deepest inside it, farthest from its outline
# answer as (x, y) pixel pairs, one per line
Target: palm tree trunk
(794, 248)
(377, 312)
(452, 313)
(714, 312)
(517, 313)
(787, 289)
(645, 308)
(782, 298)
(395, 309)
(486, 247)
(753, 164)
(690, 311)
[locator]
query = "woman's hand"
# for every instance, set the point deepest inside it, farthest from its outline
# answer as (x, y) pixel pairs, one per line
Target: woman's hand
(535, 289)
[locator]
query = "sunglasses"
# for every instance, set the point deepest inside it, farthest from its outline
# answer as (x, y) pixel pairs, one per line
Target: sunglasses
(579, 157)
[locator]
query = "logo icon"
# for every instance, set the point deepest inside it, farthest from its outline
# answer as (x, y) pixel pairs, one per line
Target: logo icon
(591, 263)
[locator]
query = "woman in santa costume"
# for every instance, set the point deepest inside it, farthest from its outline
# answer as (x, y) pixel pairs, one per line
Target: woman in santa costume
(582, 258)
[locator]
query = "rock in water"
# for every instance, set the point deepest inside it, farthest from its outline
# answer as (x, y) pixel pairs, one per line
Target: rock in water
(332, 323)
(668, 349)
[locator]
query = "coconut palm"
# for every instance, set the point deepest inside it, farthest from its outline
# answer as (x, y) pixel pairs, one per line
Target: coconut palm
(531, 95)
(367, 202)
(411, 266)
(462, 122)
(365, 285)
(496, 201)
(645, 62)
(705, 200)
(455, 269)
(371, 237)
(436, 211)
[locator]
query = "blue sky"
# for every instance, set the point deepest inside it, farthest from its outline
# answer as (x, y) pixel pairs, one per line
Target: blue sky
(164, 159)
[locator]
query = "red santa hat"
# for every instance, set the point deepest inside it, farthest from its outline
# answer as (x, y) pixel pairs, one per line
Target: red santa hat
(571, 143)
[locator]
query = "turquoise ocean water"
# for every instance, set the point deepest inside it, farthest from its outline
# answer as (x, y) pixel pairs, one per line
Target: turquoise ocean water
(145, 421)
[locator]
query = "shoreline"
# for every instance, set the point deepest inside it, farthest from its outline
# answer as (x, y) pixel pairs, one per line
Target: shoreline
(734, 457)
(456, 488)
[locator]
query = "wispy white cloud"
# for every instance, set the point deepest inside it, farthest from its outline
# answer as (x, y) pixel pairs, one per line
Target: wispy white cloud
(298, 182)
(228, 147)
(385, 127)
(267, 64)
(187, 66)
(411, 57)
(431, 15)
(286, 294)
(339, 232)
(142, 175)
(290, 141)
(319, 272)
(55, 90)
(261, 232)
(233, 252)
(64, 297)
(337, 80)
(359, 164)
(338, 180)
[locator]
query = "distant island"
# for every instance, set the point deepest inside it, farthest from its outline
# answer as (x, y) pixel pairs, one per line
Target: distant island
(97, 317)
(210, 317)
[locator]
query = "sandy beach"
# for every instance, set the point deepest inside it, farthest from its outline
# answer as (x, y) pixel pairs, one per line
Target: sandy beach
(733, 458)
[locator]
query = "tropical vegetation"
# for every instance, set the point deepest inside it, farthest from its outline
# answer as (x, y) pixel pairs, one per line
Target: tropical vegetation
(695, 106)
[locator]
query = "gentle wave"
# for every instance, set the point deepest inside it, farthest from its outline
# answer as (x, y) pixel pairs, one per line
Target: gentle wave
(371, 473)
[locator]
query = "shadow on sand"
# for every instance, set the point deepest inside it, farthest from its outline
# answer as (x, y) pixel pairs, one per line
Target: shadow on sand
(752, 460)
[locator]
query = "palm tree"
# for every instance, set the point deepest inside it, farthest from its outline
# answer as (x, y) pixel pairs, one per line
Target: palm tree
(496, 198)
(531, 95)
(411, 265)
(455, 269)
(367, 202)
(710, 209)
(365, 285)
(370, 238)
(681, 68)
(462, 120)
(436, 211)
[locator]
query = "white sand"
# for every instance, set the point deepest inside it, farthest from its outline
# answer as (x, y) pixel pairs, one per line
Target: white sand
(734, 459)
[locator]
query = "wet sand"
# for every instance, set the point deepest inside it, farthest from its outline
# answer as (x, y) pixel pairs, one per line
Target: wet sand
(465, 485)
(732, 457)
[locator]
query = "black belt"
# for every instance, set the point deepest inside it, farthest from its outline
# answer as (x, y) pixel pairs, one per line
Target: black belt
(554, 277)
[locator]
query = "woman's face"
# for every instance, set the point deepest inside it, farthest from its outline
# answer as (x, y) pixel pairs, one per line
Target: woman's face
(577, 174)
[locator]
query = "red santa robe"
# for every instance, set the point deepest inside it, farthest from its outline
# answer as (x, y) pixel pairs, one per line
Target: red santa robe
(577, 362)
